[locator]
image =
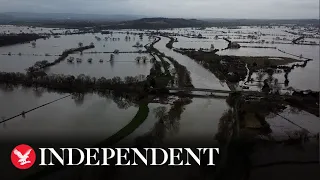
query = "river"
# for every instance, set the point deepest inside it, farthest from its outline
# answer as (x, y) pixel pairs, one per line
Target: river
(201, 78)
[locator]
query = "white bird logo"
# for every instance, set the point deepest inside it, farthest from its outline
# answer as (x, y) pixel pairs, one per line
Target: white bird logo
(22, 158)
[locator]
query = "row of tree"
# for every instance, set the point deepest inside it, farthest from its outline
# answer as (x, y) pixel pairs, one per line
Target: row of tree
(81, 83)
(38, 66)
(6, 40)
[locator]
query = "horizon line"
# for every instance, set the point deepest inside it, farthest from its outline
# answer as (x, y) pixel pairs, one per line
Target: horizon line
(157, 16)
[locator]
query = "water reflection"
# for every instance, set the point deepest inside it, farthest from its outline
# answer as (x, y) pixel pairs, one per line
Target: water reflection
(168, 123)
(122, 100)
(38, 92)
(78, 98)
(95, 116)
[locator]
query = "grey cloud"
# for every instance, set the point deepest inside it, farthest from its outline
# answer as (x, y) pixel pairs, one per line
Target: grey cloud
(173, 8)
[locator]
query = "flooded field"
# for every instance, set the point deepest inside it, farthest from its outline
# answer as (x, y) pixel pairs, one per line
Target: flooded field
(96, 118)
(8, 29)
(282, 128)
(277, 37)
(123, 65)
(93, 117)
(184, 42)
(149, 119)
(102, 117)
(55, 46)
(20, 63)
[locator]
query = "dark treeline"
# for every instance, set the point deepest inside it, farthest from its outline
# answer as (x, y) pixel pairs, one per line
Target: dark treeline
(81, 31)
(164, 64)
(67, 24)
(69, 83)
(123, 100)
(157, 78)
(184, 78)
(120, 52)
(263, 47)
(298, 39)
(288, 69)
(6, 40)
(38, 66)
(170, 43)
(153, 43)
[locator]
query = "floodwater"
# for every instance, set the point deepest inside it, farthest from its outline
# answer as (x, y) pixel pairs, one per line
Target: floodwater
(100, 116)
(300, 78)
(185, 128)
(147, 127)
(123, 65)
(308, 77)
(25, 55)
(89, 121)
(95, 118)
(184, 42)
(94, 112)
(201, 78)
(282, 125)
(56, 46)
(198, 130)
(15, 63)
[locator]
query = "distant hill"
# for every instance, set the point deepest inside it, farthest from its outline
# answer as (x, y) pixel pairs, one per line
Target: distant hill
(158, 23)
(5, 18)
(27, 16)
(260, 22)
(114, 21)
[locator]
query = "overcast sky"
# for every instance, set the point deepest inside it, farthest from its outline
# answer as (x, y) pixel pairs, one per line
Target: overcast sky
(173, 8)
